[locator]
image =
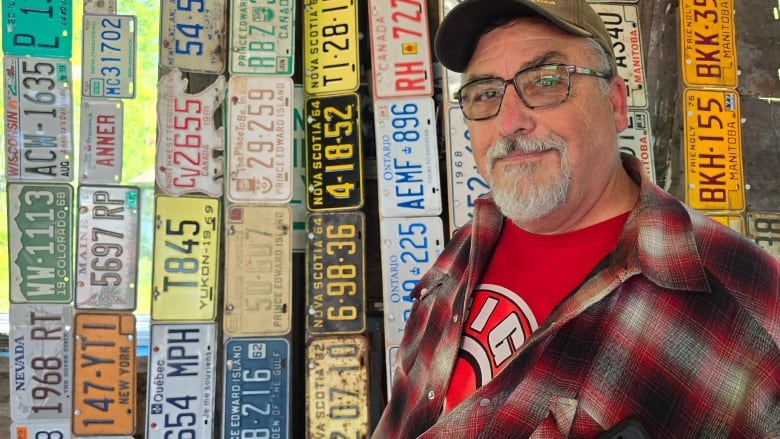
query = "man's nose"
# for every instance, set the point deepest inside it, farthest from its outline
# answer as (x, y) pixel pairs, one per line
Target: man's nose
(514, 117)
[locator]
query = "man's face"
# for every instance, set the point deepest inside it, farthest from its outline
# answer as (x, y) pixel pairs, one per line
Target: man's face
(556, 160)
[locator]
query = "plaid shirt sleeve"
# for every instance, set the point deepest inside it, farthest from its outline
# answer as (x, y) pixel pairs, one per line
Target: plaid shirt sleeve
(679, 331)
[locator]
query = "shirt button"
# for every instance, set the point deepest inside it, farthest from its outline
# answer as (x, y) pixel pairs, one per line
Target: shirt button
(455, 318)
(424, 291)
(431, 394)
(484, 402)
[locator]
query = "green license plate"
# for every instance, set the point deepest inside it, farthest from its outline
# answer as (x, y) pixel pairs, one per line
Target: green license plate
(38, 28)
(335, 259)
(330, 47)
(40, 242)
(261, 37)
(334, 170)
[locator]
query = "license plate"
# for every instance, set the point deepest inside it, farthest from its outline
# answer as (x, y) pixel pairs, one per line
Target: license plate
(38, 119)
(622, 23)
(41, 430)
(298, 200)
(452, 80)
(330, 49)
(708, 43)
(186, 258)
(258, 271)
(713, 156)
(257, 388)
(409, 248)
(336, 284)
(181, 380)
(260, 132)
(466, 185)
(38, 28)
(100, 145)
(334, 155)
(108, 54)
(192, 35)
(188, 140)
(637, 140)
(41, 351)
(40, 242)
(104, 374)
(100, 6)
(733, 222)
(107, 255)
(337, 387)
(400, 49)
(408, 171)
(390, 363)
(261, 37)
(764, 229)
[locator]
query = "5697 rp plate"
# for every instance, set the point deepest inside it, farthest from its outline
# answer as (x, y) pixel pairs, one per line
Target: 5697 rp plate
(330, 49)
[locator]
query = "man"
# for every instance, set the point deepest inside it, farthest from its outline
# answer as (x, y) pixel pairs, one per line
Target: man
(582, 298)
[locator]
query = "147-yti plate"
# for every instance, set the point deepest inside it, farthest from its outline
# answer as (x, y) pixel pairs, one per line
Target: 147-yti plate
(258, 270)
(187, 138)
(260, 131)
(261, 37)
(409, 247)
(622, 23)
(41, 349)
(38, 119)
(713, 150)
(337, 387)
(40, 242)
(330, 48)
(466, 185)
(408, 171)
(335, 299)
(104, 393)
(38, 28)
(107, 254)
(764, 229)
(186, 258)
(257, 388)
(708, 44)
(108, 54)
(181, 380)
(192, 35)
(637, 139)
(400, 49)
(334, 155)
(100, 146)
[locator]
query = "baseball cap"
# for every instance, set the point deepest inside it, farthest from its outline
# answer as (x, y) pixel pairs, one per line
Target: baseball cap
(460, 29)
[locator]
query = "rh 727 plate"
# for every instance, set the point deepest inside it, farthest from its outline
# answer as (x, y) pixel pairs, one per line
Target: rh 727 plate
(261, 37)
(100, 146)
(108, 54)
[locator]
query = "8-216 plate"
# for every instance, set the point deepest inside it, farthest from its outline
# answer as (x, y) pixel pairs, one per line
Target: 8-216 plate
(330, 49)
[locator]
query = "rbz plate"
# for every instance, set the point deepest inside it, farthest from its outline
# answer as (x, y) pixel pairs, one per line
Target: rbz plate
(261, 37)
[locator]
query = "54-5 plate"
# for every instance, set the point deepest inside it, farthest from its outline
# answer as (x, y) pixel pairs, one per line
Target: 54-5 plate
(192, 35)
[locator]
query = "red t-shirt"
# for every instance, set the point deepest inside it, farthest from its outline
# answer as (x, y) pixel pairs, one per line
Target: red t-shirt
(527, 277)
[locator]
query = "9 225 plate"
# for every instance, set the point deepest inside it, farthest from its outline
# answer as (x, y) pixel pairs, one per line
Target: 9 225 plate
(261, 37)
(192, 35)
(40, 242)
(330, 48)
(181, 380)
(42, 354)
(258, 270)
(257, 388)
(38, 28)
(466, 185)
(708, 44)
(334, 155)
(335, 299)
(108, 54)
(186, 258)
(100, 145)
(107, 255)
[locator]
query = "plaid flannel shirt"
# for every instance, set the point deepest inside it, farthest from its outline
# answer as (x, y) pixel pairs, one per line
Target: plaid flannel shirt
(679, 329)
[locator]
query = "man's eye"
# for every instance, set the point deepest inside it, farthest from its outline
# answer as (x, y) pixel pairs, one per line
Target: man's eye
(547, 81)
(486, 95)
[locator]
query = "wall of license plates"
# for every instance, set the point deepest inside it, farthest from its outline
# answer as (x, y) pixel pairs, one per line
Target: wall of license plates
(310, 165)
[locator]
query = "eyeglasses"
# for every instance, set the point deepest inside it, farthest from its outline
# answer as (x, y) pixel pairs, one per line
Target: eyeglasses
(538, 87)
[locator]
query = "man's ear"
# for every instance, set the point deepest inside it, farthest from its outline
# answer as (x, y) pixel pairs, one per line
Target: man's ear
(619, 98)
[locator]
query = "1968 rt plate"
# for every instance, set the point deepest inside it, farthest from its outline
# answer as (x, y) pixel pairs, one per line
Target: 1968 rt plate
(466, 185)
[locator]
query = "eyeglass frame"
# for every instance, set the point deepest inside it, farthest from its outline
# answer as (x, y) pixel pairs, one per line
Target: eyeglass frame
(570, 70)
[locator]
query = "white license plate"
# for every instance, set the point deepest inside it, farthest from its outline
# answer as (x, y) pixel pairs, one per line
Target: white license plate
(764, 229)
(41, 356)
(38, 119)
(466, 185)
(108, 56)
(452, 80)
(258, 270)
(637, 140)
(192, 35)
(622, 23)
(100, 6)
(390, 362)
(260, 132)
(181, 380)
(41, 430)
(107, 250)
(261, 37)
(409, 248)
(187, 138)
(400, 49)
(100, 144)
(408, 170)
(298, 200)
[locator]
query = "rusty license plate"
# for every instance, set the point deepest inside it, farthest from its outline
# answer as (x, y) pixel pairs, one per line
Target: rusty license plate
(192, 35)
(101, 141)
(708, 44)
(764, 229)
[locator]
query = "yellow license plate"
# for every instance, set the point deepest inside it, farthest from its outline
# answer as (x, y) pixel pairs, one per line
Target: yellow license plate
(337, 387)
(764, 229)
(258, 270)
(330, 47)
(733, 222)
(708, 44)
(713, 151)
(104, 390)
(186, 258)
